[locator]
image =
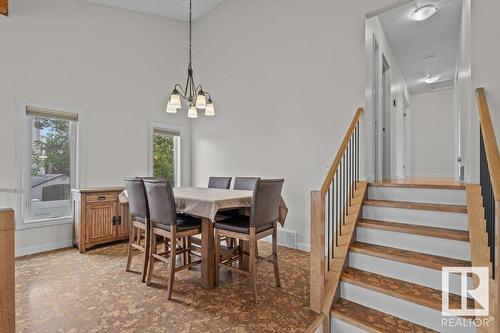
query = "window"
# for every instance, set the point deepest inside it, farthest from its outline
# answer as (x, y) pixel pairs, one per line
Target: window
(165, 153)
(50, 164)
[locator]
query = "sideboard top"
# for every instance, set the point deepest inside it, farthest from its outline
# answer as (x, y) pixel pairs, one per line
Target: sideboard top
(98, 189)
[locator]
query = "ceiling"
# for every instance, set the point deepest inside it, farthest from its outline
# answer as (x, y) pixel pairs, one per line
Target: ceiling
(413, 41)
(175, 9)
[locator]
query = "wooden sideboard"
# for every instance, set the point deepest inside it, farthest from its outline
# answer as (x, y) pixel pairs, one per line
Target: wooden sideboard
(99, 217)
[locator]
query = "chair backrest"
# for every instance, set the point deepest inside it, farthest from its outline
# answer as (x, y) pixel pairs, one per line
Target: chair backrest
(245, 183)
(137, 201)
(266, 201)
(161, 201)
(219, 182)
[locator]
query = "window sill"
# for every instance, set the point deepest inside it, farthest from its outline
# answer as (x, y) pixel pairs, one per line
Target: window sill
(31, 224)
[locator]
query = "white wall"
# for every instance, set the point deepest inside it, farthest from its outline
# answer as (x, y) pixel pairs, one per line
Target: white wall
(117, 66)
(432, 134)
(485, 68)
(399, 90)
(464, 99)
(287, 77)
(478, 30)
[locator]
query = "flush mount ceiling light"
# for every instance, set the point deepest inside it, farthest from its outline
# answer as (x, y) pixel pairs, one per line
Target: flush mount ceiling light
(431, 79)
(430, 57)
(423, 13)
(194, 95)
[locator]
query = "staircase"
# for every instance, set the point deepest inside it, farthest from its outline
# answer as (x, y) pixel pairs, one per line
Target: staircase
(405, 235)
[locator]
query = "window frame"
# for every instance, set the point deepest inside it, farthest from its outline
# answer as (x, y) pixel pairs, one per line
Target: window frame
(162, 127)
(23, 162)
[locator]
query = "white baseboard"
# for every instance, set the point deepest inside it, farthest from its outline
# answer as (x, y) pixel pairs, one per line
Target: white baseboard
(304, 247)
(42, 248)
(433, 175)
(300, 246)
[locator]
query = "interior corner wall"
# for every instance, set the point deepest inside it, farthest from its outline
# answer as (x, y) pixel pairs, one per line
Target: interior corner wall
(399, 92)
(287, 78)
(117, 66)
(432, 132)
(485, 68)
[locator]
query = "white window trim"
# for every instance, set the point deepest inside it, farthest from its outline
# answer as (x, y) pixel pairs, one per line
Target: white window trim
(22, 147)
(165, 127)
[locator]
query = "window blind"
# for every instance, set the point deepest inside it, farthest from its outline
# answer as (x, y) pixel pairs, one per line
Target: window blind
(167, 131)
(48, 113)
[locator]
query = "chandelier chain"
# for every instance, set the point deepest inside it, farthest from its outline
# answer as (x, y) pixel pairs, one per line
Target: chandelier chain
(190, 33)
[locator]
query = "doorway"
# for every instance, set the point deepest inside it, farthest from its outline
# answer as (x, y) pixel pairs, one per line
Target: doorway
(386, 120)
(381, 118)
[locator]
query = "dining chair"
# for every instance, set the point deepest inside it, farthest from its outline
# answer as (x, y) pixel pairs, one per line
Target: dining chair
(165, 222)
(262, 222)
(245, 183)
(139, 227)
(240, 183)
(219, 182)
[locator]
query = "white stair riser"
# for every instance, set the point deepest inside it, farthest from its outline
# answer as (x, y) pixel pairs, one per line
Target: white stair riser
(340, 326)
(423, 276)
(437, 196)
(410, 242)
(457, 221)
(399, 308)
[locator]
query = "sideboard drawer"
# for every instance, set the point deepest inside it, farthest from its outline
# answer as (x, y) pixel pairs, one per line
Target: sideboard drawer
(101, 197)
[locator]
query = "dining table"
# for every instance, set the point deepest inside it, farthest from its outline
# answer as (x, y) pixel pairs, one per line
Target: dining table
(206, 203)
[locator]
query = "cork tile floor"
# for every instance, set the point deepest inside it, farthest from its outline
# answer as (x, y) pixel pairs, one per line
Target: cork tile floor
(64, 291)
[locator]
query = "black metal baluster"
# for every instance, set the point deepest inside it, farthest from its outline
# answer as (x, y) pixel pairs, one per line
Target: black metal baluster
(357, 151)
(337, 216)
(328, 228)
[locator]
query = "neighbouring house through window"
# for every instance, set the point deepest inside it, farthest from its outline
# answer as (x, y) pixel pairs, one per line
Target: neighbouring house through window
(51, 163)
(166, 154)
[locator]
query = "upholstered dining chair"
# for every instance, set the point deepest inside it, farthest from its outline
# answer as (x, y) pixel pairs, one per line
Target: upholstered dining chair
(165, 222)
(262, 222)
(240, 183)
(245, 183)
(139, 227)
(219, 182)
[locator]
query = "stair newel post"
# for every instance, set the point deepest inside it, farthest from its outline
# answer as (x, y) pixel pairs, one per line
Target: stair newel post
(317, 257)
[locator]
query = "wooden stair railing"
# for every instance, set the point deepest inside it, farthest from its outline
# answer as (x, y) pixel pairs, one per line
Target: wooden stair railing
(7, 284)
(334, 211)
(490, 189)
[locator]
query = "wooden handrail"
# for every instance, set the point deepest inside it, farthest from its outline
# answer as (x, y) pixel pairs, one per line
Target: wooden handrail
(490, 151)
(490, 141)
(331, 233)
(340, 152)
(7, 284)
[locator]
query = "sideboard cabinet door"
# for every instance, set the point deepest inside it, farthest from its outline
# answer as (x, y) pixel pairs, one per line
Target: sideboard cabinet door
(99, 221)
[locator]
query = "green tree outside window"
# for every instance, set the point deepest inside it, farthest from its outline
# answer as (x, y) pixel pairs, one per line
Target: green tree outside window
(164, 157)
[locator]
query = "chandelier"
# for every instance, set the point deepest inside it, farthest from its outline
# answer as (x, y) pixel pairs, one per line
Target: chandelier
(194, 96)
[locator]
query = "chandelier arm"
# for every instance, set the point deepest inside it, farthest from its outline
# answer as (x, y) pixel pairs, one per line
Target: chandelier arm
(181, 91)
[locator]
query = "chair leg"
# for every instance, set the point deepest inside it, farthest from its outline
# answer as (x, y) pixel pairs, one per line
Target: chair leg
(275, 255)
(173, 250)
(147, 244)
(129, 250)
(217, 256)
(151, 264)
(189, 250)
(252, 263)
(184, 254)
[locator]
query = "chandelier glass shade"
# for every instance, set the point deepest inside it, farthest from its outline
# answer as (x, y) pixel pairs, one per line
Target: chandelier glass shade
(193, 95)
